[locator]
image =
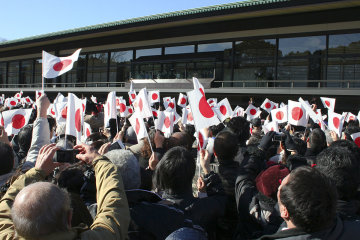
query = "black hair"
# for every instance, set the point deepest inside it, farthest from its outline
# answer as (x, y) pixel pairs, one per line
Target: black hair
(7, 158)
(183, 139)
(300, 145)
(341, 166)
(97, 136)
(241, 127)
(310, 199)
(215, 129)
(317, 140)
(52, 122)
(294, 161)
(175, 172)
(351, 129)
(24, 137)
(226, 146)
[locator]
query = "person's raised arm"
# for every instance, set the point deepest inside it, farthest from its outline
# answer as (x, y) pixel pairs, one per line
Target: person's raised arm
(113, 215)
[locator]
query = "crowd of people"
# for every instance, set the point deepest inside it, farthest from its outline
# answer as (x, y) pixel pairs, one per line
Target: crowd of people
(302, 183)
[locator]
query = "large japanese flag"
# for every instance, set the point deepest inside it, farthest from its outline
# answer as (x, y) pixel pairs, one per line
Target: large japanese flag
(223, 109)
(75, 116)
(154, 97)
(279, 115)
(110, 108)
(356, 138)
(141, 104)
(252, 112)
(296, 114)
(138, 125)
(267, 105)
(182, 101)
(329, 103)
(14, 120)
(238, 112)
(335, 122)
(202, 113)
(55, 66)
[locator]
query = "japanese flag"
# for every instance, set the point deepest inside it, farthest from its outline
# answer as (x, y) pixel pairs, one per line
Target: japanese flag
(252, 112)
(55, 66)
(212, 102)
(279, 115)
(198, 86)
(201, 140)
(123, 109)
(110, 108)
(169, 103)
(202, 113)
(267, 105)
(182, 101)
(138, 125)
(1, 120)
(296, 114)
(94, 99)
(271, 126)
(155, 112)
(329, 103)
(28, 100)
(141, 104)
(130, 109)
(165, 123)
(75, 117)
(154, 97)
(11, 102)
(308, 109)
(1, 100)
(60, 110)
(132, 94)
(19, 94)
(350, 117)
(187, 117)
(14, 120)
(335, 122)
(356, 138)
(86, 130)
(51, 111)
(238, 112)
(38, 94)
(223, 109)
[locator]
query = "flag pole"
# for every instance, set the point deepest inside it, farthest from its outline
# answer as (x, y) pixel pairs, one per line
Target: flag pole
(42, 70)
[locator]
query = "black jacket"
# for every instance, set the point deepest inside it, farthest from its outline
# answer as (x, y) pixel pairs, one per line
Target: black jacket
(341, 230)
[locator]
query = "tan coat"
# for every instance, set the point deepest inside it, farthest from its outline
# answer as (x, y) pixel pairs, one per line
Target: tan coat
(113, 216)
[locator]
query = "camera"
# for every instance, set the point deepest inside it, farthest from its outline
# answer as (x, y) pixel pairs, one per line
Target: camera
(66, 155)
(279, 137)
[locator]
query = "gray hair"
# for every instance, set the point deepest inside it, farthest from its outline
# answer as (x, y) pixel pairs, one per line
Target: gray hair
(329, 139)
(40, 209)
(60, 129)
(129, 167)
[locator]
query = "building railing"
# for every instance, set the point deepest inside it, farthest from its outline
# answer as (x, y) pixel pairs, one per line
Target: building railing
(215, 84)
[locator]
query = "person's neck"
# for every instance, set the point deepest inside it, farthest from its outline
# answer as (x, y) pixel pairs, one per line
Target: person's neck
(290, 224)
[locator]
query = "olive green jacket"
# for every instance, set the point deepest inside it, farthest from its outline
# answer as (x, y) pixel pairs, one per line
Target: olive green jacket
(113, 216)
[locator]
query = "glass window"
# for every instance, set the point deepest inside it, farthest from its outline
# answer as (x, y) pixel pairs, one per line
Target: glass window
(213, 47)
(180, 49)
(120, 66)
(77, 74)
(13, 74)
(121, 57)
(38, 70)
(26, 72)
(3, 73)
(148, 52)
(302, 46)
(97, 67)
(344, 44)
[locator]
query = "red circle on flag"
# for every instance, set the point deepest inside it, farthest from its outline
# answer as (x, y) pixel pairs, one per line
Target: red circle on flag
(223, 110)
(202, 92)
(137, 126)
(141, 104)
(297, 113)
(64, 112)
(279, 115)
(352, 118)
(130, 110)
(253, 111)
(133, 96)
(87, 132)
(122, 107)
(154, 113)
(274, 107)
(190, 117)
(154, 96)
(18, 121)
(183, 101)
(2, 122)
(78, 120)
(52, 111)
(39, 94)
(27, 99)
(267, 105)
(336, 122)
(171, 105)
(61, 65)
(83, 107)
(12, 103)
(211, 101)
(357, 141)
(327, 103)
(205, 109)
(167, 122)
(201, 140)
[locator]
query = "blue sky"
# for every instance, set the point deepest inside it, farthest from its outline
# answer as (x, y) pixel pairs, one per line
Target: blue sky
(25, 18)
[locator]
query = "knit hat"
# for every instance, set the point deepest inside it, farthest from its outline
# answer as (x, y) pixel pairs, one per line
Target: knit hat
(268, 181)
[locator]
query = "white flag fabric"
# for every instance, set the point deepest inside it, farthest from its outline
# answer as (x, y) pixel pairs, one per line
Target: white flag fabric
(335, 122)
(110, 108)
(51, 111)
(252, 112)
(238, 112)
(154, 97)
(155, 112)
(166, 123)
(279, 115)
(94, 99)
(132, 96)
(182, 101)
(329, 103)
(169, 103)
(201, 140)
(11, 102)
(350, 116)
(54, 66)
(19, 94)
(14, 120)
(313, 115)
(2, 99)
(198, 86)
(356, 138)
(271, 126)
(138, 125)
(123, 109)
(28, 100)
(202, 113)
(187, 117)
(296, 114)
(75, 117)
(212, 102)
(141, 104)
(223, 109)
(267, 105)
(60, 110)
(38, 94)
(86, 130)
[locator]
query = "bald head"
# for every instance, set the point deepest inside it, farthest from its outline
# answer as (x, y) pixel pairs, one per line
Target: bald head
(40, 209)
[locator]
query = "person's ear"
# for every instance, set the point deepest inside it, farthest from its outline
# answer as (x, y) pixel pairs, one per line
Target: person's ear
(284, 212)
